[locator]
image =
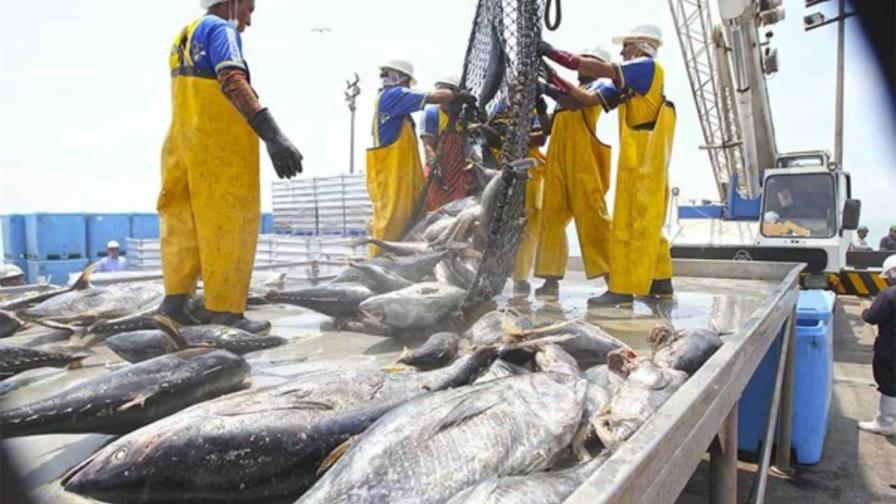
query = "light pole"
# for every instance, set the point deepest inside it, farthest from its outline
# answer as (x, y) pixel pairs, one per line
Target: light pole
(817, 20)
(352, 90)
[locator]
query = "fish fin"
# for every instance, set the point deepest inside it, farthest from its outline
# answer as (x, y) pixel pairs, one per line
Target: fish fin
(140, 400)
(83, 281)
(70, 329)
(716, 328)
(336, 454)
(169, 327)
(77, 361)
(467, 409)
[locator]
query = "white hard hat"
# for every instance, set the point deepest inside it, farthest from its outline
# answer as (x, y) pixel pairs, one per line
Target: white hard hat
(113, 244)
(402, 66)
(598, 52)
(208, 4)
(888, 267)
(641, 32)
(771, 216)
(8, 271)
(450, 81)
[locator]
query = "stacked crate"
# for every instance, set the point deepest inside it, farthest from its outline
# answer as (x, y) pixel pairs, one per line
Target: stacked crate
(322, 206)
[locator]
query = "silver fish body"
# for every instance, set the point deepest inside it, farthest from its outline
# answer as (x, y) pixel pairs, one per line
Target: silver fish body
(86, 306)
(338, 300)
(139, 346)
(418, 306)
(683, 350)
(431, 448)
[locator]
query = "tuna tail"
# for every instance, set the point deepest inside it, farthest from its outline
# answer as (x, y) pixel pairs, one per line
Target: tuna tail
(169, 327)
(336, 454)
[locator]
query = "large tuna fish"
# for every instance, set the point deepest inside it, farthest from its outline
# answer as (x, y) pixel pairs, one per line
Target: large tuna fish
(86, 306)
(431, 448)
(683, 350)
(14, 359)
(139, 346)
(338, 300)
(588, 343)
(136, 395)
(420, 305)
(646, 388)
(257, 445)
(33, 298)
(541, 488)
(379, 278)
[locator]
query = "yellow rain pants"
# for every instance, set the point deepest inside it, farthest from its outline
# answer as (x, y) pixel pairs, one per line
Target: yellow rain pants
(577, 176)
(534, 198)
(209, 204)
(639, 251)
(394, 181)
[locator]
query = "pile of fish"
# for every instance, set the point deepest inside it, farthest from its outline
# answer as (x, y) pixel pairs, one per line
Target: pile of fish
(418, 282)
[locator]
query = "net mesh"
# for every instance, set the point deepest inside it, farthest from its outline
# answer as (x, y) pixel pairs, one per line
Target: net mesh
(516, 26)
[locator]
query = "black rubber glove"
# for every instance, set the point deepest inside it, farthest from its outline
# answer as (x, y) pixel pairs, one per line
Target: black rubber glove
(549, 90)
(465, 97)
(541, 106)
(286, 158)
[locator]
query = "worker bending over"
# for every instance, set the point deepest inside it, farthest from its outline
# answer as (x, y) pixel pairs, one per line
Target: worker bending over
(394, 172)
(209, 204)
(640, 258)
(577, 176)
(882, 313)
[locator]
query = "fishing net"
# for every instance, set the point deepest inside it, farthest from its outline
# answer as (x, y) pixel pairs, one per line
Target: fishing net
(516, 26)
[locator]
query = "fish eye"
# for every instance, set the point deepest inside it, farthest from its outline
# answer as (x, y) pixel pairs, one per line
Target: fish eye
(120, 454)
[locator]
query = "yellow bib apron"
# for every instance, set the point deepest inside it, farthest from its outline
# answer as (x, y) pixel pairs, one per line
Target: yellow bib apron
(639, 251)
(577, 176)
(394, 181)
(209, 203)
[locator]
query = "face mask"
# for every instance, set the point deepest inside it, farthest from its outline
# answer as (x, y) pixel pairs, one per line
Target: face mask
(390, 78)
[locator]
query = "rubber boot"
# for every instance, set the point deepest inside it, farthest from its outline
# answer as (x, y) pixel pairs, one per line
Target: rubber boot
(238, 321)
(662, 288)
(885, 423)
(173, 307)
(610, 298)
(521, 288)
(550, 288)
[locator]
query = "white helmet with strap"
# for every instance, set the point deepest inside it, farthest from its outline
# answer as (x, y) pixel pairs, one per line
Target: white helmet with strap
(401, 66)
(8, 271)
(646, 32)
(598, 52)
(889, 268)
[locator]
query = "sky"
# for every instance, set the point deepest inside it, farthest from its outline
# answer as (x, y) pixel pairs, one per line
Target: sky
(86, 100)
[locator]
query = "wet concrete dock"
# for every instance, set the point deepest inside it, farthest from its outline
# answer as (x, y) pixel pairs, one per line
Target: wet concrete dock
(42, 460)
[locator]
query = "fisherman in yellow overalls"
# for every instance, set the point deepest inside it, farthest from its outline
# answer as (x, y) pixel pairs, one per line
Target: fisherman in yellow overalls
(577, 177)
(209, 204)
(435, 119)
(640, 257)
(394, 171)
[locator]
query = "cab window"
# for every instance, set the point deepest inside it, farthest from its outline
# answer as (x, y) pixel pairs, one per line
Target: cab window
(799, 206)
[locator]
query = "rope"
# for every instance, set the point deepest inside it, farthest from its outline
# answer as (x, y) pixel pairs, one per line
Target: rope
(558, 15)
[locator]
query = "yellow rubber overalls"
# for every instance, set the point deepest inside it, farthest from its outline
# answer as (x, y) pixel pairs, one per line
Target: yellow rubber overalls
(639, 253)
(525, 254)
(394, 181)
(209, 204)
(577, 176)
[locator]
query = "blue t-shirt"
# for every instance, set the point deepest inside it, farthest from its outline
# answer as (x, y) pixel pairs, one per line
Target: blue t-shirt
(636, 75)
(431, 120)
(216, 45)
(108, 264)
(394, 105)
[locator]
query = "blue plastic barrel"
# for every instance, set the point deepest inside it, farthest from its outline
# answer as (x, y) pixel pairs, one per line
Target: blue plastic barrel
(813, 382)
(15, 246)
(101, 228)
(267, 223)
(144, 226)
(52, 237)
(57, 271)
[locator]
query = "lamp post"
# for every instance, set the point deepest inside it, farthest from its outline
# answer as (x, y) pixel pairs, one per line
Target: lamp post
(817, 20)
(352, 90)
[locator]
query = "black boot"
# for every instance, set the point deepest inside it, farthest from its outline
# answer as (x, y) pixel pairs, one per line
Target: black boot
(662, 288)
(610, 298)
(173, 307)
(550, 288)
(238, 321)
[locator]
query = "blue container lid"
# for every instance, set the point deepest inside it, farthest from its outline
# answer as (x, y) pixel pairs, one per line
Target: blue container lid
(816, 304)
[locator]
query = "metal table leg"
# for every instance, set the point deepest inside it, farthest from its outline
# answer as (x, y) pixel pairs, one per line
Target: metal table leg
(723, 462)
(782, 465)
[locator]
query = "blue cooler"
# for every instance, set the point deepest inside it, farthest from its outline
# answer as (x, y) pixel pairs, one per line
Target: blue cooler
(56, 236)
(144, 226)
(14, 244)
(813, 382)
(102, 228)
